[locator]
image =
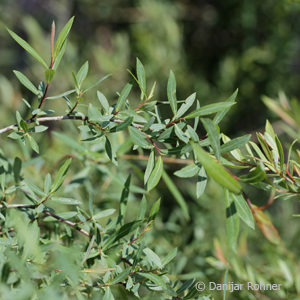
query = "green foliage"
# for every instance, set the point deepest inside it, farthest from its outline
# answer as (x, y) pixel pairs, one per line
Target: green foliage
(57, 241)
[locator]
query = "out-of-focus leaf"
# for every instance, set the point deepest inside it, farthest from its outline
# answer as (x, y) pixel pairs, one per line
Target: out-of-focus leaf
(243, 209)
(141, 75)
(266, 226)
(176, 194)
(104, 213)
(149, 168)
(201, 182)
(232, 222)
(153, 257)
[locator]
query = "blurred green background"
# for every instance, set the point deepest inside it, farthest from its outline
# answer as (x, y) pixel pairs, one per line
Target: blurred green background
(213, 47)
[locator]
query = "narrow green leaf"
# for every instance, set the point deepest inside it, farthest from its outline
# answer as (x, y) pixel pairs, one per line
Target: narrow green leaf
(62, 37)
(124, 200)
(186, 105)
(213, 136)
(243, 209)
(47, 184)
(180, 134)
(171, 92)
(97, 82)
(154, 210)
(26, 82)
(82, 73)
(123, 96)
(154, 278)
(176, 194)
(216, 170)
(103, 101)
(139, 138)
(280, 151)
(209, 109)
(141, 77)
(33, 143)
(109, 150)
(150, 166)
(104, 213)
(61, 174)
(220, 115)
(62, 95)
(122, 125)
(49, 74)
(232, 222)
(170, 256)
(255, 176)
(201, 182)
(153, 257)
(235, 143)
(66, 201)
(17, 167)
(188, 171)
(142, 209)
(120, 277)
(27, 47)
(60, 56)
(155, 174)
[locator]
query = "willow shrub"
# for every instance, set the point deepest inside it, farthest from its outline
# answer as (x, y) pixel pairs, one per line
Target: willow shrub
(53, 245)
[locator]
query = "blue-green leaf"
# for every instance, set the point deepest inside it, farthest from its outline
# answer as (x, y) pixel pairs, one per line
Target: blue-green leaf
(171, 91)
(26, 82)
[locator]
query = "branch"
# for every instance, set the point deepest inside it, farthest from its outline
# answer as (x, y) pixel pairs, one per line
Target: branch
(45, 119)
(48, 213)
(60, 118)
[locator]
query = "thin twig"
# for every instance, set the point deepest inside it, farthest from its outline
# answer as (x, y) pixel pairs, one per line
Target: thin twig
(48, 213)
(63, 220)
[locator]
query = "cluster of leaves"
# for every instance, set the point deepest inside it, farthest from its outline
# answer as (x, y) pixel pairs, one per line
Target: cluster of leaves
(81, 252)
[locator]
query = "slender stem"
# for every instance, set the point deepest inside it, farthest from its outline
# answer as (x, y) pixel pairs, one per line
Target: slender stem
(168, 160)
(63, 220)
(48, 213)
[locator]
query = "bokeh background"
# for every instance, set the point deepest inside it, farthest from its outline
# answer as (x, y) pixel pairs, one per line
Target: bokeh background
(213, 47)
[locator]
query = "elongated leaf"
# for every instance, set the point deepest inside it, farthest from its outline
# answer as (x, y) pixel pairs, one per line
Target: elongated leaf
(33, 144)
(154, 278)
(187, 171)
(104, 213)
(120, 277)
(243, 209)
(186, 105)
(82, 73)
(201, 182)
(27, 47)
(139, 138)
(153, 257)
(141, 75)
(155, 174)
(235, 143)
(62, 37)
(97, 82)
(176, 194)
(213, 136)
(61, 174)
(232, 222)
(171, 91)
(26, 82)
(171, 255)
(124, 200)
(150, 166)
(180, 134)
(49, 74)
(154, 210)
(60, 56)
(122, 125)
(66, 201)
(123, 96)
(220, 115)
(255, 176)
(209, 109)
(215, 170)
(103, 101)
(62, 95)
